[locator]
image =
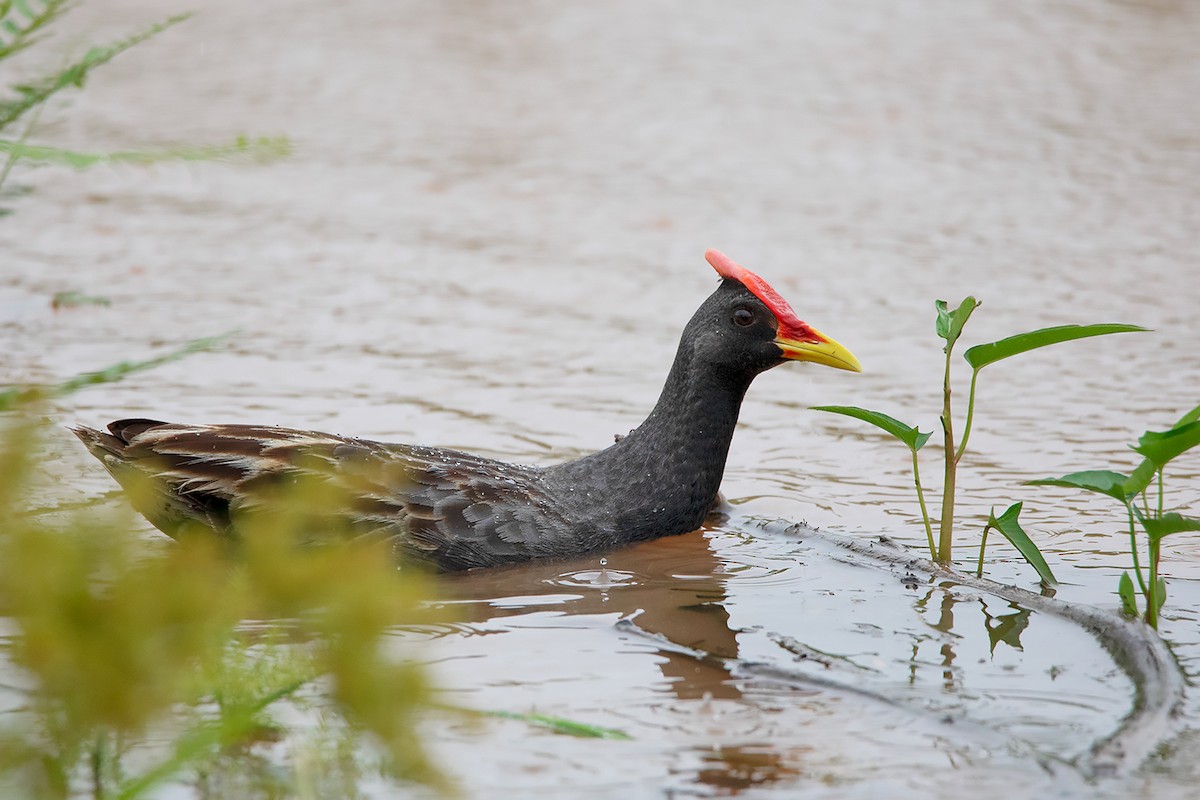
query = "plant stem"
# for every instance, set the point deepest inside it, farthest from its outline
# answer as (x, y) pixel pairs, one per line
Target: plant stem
(945, 543)
(97, 766)
(1160, 492)
(982, 546)
(1133, 550)
(924, 510)
(1152, 595)
(962, 446)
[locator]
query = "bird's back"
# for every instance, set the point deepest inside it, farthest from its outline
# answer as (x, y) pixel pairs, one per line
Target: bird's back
(449, 508)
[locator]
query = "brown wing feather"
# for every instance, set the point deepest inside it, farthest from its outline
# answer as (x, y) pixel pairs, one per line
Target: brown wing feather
(451, 508)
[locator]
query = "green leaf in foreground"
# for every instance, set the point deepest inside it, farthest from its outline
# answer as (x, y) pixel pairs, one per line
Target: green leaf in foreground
(560, 725)
(1160, 447)
(76, 299)
(950, 323)
(1128, 595)
(13, 397)
(1008, 525)
(1103, 481)
(16, 33)
(1158, 527)
(981, 355)
(905, 433)
(243, 147)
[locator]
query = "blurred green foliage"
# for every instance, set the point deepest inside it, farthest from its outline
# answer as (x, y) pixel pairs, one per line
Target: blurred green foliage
(141, 665)
(25, 23)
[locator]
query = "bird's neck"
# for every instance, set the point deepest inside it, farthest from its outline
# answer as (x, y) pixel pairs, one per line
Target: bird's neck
(664, 476)
(694, 418)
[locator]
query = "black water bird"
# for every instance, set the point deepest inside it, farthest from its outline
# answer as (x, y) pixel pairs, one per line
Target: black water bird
(455, 510)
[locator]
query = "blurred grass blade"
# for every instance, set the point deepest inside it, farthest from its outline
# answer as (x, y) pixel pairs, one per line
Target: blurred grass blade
(1159, 447)
(31, 95)
(13, 397)
(1158, 527)
(981, 355)
(1008, 524)
(1103, 481)
(201, 741)
(560, 725)
(258, 149)
(71, 299)
(15, 34)
(1128, 595)
(905, 433)
(950, 323)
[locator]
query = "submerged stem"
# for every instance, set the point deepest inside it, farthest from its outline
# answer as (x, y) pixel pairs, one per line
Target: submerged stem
(924, 510)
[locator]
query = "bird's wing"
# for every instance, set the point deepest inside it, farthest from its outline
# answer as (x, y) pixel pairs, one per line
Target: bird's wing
(451, 508)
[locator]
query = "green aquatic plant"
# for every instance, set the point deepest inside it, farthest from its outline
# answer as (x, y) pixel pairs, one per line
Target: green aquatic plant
(117, 646)
(25, 23)
(949, 327)
(1157, 448)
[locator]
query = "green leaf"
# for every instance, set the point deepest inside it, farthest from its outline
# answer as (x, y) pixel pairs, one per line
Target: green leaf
(1103, 481)
(1158, 527)
(1128, 595)
(950, 323)
(1159, 447)
(981, 355)
(905, 433)
(1161, 596)
(560, 725)
(1008, 525)
(1140, 478)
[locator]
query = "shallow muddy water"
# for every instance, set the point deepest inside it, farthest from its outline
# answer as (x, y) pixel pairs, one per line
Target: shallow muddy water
(489, 237)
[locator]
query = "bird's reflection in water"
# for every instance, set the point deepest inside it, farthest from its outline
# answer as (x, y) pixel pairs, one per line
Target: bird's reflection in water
(732, 770)
(673, 587)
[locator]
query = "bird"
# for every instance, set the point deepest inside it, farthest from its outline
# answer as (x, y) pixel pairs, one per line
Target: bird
(451, 510)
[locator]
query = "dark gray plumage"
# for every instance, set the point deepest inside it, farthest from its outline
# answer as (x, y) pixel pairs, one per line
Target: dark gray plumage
(456, 510)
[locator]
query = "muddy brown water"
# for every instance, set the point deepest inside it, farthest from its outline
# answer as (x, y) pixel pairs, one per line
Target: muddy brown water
(489, 237)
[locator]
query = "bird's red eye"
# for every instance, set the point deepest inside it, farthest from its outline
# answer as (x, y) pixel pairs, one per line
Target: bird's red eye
(743, 317)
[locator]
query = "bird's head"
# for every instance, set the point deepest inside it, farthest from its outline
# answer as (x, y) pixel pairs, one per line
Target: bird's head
(746, 325)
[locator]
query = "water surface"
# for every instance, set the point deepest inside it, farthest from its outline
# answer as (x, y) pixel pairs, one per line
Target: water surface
(490, 236)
